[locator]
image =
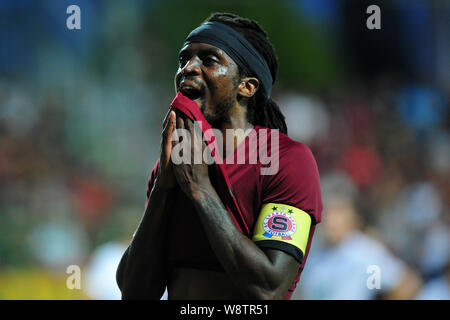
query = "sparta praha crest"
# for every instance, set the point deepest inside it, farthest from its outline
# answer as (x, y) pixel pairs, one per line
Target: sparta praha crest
(279, 225)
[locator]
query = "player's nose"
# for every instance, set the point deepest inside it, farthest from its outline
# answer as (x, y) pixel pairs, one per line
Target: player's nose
(193, 66)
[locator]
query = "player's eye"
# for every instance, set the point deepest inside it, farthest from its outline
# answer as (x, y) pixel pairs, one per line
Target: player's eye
(209, 60)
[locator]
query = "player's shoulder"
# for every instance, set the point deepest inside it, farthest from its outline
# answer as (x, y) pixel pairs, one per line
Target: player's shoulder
(293, 157)
(290, 147)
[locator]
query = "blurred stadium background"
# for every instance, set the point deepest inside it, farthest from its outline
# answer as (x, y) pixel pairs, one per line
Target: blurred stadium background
(80, 121)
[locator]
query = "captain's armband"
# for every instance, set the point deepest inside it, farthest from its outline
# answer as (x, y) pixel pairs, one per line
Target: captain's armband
(283, 227)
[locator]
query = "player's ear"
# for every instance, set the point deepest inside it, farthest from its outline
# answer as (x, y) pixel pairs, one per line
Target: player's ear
(248, 87)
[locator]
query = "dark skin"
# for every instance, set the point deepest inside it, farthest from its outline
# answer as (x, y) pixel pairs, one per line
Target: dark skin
(211, 78)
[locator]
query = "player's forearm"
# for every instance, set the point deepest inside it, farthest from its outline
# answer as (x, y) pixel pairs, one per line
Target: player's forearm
(246, 264)
(141, 273)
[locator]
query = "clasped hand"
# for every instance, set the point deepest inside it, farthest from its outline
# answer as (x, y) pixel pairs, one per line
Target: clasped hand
(191, 176)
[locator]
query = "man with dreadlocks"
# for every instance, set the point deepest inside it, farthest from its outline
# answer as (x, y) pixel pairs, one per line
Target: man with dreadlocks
(225, 230)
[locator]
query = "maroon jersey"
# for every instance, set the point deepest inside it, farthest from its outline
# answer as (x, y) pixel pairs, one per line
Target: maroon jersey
(295, 183)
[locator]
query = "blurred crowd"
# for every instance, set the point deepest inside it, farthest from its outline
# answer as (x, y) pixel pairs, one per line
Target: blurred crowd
(80, 123)
(384, 179)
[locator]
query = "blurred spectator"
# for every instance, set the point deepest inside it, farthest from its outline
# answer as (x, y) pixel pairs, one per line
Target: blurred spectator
(100, 272)
(340, 267)
(418, 210)
(307, 120)
(437, 288)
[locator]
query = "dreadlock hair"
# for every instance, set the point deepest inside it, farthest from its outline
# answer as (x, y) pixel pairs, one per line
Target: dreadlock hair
(260, 111)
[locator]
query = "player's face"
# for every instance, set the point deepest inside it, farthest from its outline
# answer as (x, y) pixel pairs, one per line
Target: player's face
(207, 75)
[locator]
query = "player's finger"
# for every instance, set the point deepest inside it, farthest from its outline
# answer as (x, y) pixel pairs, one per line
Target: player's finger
(171, 123)
(166, 117)
(180, 125)
(167, 134)
(167, 124)
(180, 122)
(189, 125)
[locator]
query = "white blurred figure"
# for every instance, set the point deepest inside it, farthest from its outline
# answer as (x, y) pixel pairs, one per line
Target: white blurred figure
(99, 277)
(418, 213)
(344, 264)
(100, 273)
(306, 117)
(165, 295)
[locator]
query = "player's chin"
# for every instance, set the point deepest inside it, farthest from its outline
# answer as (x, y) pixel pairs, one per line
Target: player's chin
(204, 107)
(214, 119)
(199, 99)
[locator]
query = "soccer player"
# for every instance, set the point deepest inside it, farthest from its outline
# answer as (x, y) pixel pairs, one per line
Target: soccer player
(229, 231)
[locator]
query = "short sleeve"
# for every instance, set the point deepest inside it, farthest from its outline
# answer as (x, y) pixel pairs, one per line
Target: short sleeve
(297, 182)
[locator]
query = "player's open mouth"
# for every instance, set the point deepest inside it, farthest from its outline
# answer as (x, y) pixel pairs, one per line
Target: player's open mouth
(191, 91)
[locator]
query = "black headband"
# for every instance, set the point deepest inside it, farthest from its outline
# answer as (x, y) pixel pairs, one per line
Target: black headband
(237, 47)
